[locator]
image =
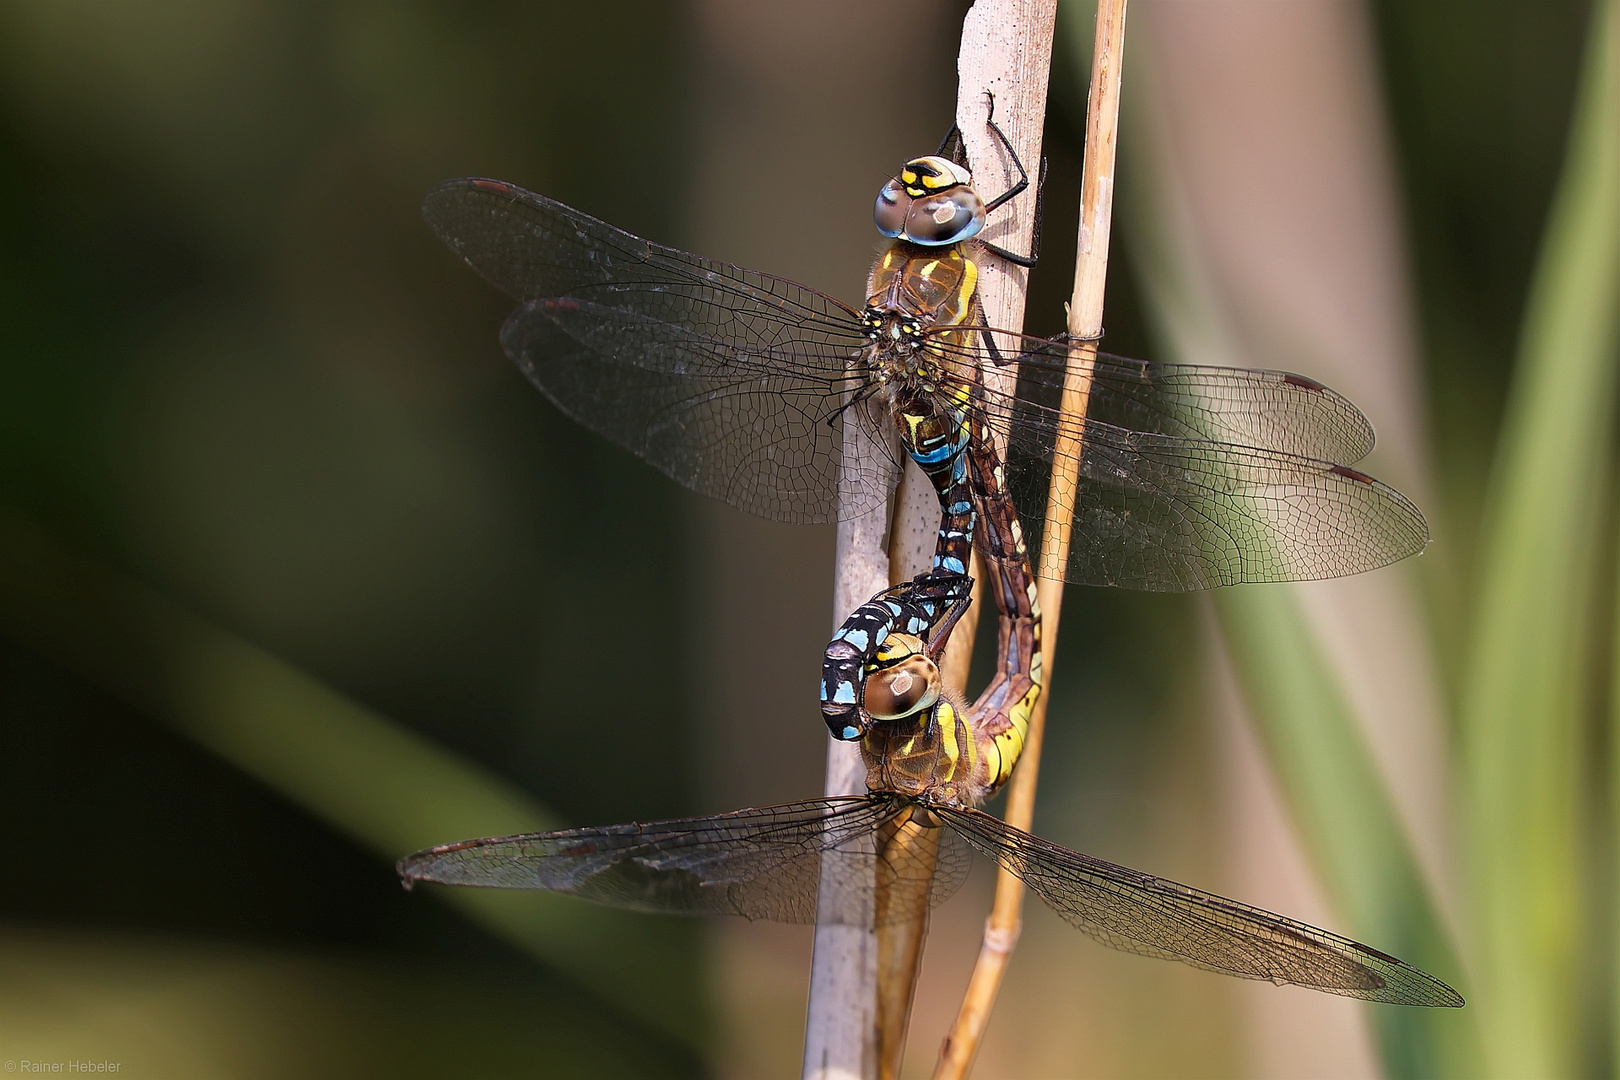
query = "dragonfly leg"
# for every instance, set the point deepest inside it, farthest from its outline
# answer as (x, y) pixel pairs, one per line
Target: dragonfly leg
(952, 148)
(957, 598)
(1017, 189)
(1034, 256)
(1023, 174)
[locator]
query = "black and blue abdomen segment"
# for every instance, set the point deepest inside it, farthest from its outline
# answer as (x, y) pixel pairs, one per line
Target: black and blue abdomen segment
(918, 607)
(935, 430)
(937, 440)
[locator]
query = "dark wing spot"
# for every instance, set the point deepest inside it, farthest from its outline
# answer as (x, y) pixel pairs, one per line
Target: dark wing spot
(1350, 474)
(1290, 379)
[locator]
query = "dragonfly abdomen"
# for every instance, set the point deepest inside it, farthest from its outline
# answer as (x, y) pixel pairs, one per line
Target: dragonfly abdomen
(1000, 716)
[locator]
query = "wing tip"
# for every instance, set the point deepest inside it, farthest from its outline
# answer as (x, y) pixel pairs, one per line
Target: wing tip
(1428, 992)
(445, 191)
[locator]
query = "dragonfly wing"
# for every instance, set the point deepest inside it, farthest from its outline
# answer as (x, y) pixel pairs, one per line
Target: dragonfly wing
(773, 863)
(758, 433)
(1170, 514)
(1263, 410)
(728, 380)
(1138, 913)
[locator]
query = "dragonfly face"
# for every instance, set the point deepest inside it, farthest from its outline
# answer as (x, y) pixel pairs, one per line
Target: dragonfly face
(901, 680)
(931, 202)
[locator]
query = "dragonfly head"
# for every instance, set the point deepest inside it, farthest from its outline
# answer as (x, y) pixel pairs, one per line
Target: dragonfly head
(931, 202)
(901, 680)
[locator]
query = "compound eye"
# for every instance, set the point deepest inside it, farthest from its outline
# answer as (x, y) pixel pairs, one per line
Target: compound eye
(908, 687)
(893, 204)
(947, 218)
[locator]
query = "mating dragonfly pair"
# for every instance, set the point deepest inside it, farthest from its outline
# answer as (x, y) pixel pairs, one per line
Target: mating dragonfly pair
(740, 385)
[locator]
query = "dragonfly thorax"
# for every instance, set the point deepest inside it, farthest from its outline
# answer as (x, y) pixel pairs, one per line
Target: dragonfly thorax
(930, 754)
(897, 351)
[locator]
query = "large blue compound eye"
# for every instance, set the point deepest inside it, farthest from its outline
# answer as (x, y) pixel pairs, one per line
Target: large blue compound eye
(949, 217)
(902, 689)
(892, 206)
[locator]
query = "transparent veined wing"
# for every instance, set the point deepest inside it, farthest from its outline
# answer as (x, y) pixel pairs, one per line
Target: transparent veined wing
(1169, 514)
(761, 863)
(760, 435)
(734, 383)
(1251, 407)
(729, 381)
(1139, 913)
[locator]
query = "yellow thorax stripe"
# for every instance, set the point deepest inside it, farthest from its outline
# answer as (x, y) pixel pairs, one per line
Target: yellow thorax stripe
(965, 291)
(946, 718)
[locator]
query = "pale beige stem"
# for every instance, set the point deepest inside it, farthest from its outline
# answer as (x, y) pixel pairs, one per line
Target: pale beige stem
(841, 1025)
(1085, 323)
(863, 979)
(1006, 52)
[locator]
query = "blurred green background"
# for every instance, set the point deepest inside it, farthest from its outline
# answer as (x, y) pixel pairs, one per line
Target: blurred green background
(297, 574)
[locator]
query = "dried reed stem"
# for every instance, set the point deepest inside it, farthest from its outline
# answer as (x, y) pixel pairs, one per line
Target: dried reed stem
(1085, 323)
(862, 980)
(1006, 50)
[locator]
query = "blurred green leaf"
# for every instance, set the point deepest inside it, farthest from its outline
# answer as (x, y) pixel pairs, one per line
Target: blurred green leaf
(1337, 795)
(1350, 824)
(180, 1008)
(1525, 691)
(387, 788)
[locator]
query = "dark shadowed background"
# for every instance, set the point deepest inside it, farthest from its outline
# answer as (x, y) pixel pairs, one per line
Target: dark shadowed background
(299, 573)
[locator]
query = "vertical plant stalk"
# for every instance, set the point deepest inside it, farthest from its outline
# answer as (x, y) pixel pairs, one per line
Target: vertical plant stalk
(862, 980)
(1277, 245)
(841, 1023)
(902, 907)
(1085, 324)
(1006, 51)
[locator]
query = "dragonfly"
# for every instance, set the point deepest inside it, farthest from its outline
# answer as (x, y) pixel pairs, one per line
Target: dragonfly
(740, 385)
(736, 384)
(868, 860)
(837, 856)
